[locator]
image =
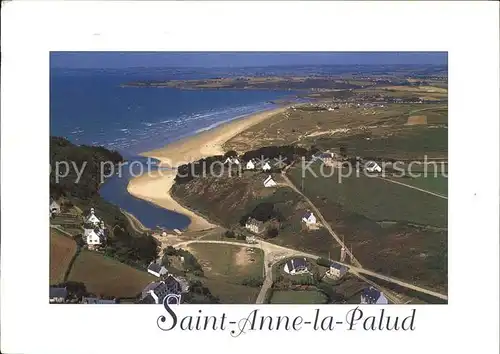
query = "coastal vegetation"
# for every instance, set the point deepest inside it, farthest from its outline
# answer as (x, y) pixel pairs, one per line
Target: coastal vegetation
(79, 186)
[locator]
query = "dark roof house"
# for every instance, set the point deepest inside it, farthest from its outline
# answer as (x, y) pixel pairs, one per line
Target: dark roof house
(157, 269)
(371, 295)
(296, 265)
(58, 293)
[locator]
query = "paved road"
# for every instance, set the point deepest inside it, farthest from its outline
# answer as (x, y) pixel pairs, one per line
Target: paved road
(320, 216)
(412, 187)
(274, 253)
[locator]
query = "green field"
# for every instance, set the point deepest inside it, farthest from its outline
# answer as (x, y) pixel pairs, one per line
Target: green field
(298, 297)
(374, 198)
(108, 277)
(231, 263)
(227, 268)
(229, 293)
(438, 184)
(414, 245)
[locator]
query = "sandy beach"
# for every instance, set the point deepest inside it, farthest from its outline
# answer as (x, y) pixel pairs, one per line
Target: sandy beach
(155, 186)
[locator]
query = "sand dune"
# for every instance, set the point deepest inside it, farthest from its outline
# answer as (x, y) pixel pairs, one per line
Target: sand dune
(155, 186)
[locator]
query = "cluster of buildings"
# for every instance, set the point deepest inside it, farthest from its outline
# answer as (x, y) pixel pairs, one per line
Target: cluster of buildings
(170, 288)
(300, 265)
(60, 295)
(251, 164)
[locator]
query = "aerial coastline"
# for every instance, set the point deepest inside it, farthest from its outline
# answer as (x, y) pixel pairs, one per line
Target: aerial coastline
(154, 187)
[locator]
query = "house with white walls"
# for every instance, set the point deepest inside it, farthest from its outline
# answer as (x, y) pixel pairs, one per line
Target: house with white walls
(269, 182)
(296, 266)
(309, 218)
(92, 219)
(250, 165)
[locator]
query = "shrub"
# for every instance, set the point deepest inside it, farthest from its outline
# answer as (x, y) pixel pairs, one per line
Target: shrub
(323, 262)
(254, 282)
(229, 234)
(272, 232)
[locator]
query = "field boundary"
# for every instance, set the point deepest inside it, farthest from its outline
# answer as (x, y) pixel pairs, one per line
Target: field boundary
(413, 187)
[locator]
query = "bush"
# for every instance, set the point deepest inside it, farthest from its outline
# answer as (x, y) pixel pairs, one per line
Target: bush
(272, 232)
(229, 234)
(240, 237)
(254, 282)
(323, 262)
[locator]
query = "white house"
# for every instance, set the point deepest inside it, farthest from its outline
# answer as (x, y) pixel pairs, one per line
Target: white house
(372, 296)
(269, 182)
(54, 208)
(250, 165)
(337, 270)
(309, 218)
(372, 166)
(296, 266)
(254, 225)
(95, 236)
(232, 160)
(92, 219)
(157, 269)
(266, 167)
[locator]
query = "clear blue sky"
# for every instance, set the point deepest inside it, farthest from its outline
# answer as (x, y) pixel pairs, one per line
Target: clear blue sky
(220, 59)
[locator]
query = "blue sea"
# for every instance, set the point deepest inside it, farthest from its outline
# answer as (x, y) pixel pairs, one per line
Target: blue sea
(91, 107)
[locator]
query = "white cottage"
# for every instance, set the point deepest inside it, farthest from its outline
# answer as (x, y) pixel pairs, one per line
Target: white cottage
(266, 167)
(94, 237)
(250, 165)
(309, 218)
(296, 266)
(269, 182)
(92, 219)
(54, 208)
(372, 166)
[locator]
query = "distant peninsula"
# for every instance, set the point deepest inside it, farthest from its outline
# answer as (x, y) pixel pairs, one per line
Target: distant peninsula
(258, 83)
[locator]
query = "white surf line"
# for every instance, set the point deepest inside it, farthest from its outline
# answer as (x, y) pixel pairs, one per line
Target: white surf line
(413, 187)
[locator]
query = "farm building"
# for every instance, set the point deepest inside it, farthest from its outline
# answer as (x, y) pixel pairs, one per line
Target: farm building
(309, 218)
(296, 266)
(95, 300)
(54, 208)
(157, 269)
(269, 182)
(254, 225)
(250, 165)
(373, 296)
(57, 295)
(266, 167)
(336, 270)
